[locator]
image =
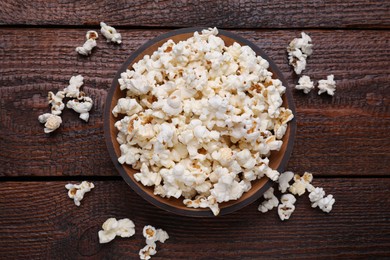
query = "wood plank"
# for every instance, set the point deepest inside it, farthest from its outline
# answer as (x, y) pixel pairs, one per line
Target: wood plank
(343, 135)
(39, 221)
(227, 14)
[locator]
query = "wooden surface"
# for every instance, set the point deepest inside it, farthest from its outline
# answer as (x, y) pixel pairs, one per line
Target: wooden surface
(343, 140)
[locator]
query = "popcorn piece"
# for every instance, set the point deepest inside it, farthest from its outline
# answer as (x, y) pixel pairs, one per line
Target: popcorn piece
(82, 106)
(127, 106)
(112, 228)
(298, 51)
(203, 202)
(284, 180)
(77, 191)
(147, 251)
(73, 89)
(317, 197)
(152, 235)
(52, 122)
(301, 184)
(89, 44)
(286, 208)
(305, 84)
(110, 33)
(270, 201)
(55, 100)
(327, 85)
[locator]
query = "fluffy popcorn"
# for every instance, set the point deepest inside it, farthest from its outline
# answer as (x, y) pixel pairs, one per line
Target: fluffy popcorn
(305, 84)
(73, 89)
(52, 122)
(284, 180)
(77, 191)
(327, 85)
(110, 33)
(200, 119)
(301, 184)
(318, 199)
(152, 235)
(298, 51)
(270, 202)
(56, 102)
(286, 208)
(81, 106)
(89, 44)
(112, 228)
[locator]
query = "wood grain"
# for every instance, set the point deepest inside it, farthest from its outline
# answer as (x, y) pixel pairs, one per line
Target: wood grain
(226, 14)
(343, 135)
(39, 221)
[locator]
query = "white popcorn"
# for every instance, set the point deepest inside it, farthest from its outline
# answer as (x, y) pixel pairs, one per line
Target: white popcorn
(73, 89)
(200, 120)
(305, 84)
(55, 100)
(270, 201)
(152, 235)
(52, 122)
(284, 180)
(77, 191)
(89, 44)
(110, 33)
(298, 51)
(112, 228)
(82, 107)
(317, 198)
(301, 184)
(327, 85)
(286, 208)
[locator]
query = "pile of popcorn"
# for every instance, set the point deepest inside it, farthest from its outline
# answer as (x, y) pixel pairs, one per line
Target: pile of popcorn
(200, 119)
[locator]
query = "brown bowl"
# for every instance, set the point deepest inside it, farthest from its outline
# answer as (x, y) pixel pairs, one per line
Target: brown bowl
(278, 160)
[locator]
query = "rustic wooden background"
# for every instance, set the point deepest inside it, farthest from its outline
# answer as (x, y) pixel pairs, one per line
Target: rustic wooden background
(343, 140)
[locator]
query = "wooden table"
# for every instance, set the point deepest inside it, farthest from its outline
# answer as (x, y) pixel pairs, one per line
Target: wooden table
(343, 140)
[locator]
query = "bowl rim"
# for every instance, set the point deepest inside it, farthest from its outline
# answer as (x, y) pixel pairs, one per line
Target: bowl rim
(199, 212)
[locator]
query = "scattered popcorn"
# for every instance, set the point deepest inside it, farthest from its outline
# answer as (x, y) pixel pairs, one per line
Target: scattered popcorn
(284, 180)
(305, 84)
(89, 44)
(82, 106)
(52, 122)
(301, 184)
(317, 198)
(112, 228)
(110, 33)
(55, 100)
(327, 85)
(73, 89)
(286, 208)
(298, 51)
(152, 235)
(270, 201)
(200, 119)
(77, 191)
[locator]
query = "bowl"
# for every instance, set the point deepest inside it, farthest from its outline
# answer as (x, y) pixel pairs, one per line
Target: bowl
(278, 160)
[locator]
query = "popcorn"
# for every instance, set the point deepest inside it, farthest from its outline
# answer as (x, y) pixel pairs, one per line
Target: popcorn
(112, 228)
(152, 235)
(81, 106)
(327, 85)
(200, 119)
(52, 122)
(298, 51)
(75, 83)
(284, 180)
(89, 44)
(286, 208)
(55, 100)
(305, 84)
(317, 197)
(110, 33)
(77, 191)
(270, 201)
(301, 184)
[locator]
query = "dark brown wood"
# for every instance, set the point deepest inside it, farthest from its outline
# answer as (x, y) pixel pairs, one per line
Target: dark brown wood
(343, 135)
(227, 14)
(39, 221)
